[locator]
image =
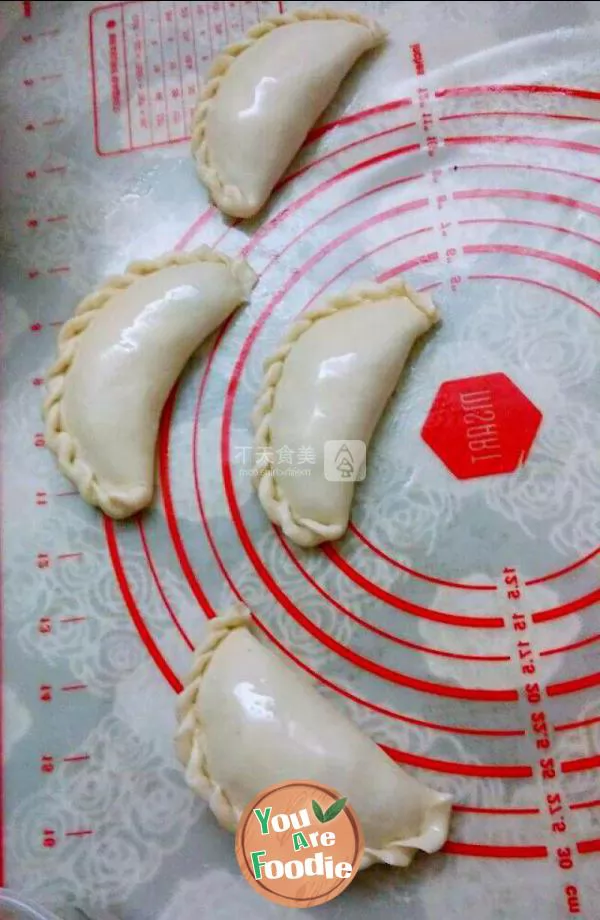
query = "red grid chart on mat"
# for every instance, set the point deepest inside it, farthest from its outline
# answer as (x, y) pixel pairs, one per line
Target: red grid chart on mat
(146, 61)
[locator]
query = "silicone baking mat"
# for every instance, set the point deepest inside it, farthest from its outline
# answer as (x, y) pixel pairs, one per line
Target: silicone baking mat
(458, 620)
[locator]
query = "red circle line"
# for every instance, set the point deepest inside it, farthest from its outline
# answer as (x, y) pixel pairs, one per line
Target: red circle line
(537, 253)
(436, 616)
(569, 568)
(527, 140)
(333, 555)
(502, 113)
(528, 223)
(474, 810)
(406, 606)
(517, 250)
(499, 771)
(134, 611)
(492, 851)
(190, 576)
(496, 89)
(169, 507)
(573, 646)
(524, 195)
(405, 568)
(171, 678)
(375, 629)
(159, 587)
(211, 211)
(475, 693)
(532, 167)
(587, 177)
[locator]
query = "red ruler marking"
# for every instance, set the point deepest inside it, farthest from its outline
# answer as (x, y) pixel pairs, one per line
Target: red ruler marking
(126, 71)
(152, 54)
(447, 231)
(541, 734)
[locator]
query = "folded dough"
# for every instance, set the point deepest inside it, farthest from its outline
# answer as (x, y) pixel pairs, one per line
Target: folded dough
(330, 381)
(247, 721)
(263, 95)
(119, 356)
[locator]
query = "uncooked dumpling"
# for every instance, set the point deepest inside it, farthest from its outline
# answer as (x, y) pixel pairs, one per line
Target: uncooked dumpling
(263, 96)
(330, 381)
(247, 721)
(119, 356)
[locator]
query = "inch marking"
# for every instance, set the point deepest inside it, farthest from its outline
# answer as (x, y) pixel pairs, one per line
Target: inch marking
(68, 688)
(76, 758)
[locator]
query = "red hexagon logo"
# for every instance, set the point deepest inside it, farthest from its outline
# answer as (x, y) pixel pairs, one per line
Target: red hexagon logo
(481, 426)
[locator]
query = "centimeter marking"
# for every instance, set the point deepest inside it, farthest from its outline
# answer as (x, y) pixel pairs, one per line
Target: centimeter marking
(539, 730)
(445, 229)
(541, 735)
(37, 222)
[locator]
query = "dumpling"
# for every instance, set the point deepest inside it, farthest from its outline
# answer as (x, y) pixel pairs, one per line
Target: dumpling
(247, 722)
(119, 357)
(327, 385)
(264, 94)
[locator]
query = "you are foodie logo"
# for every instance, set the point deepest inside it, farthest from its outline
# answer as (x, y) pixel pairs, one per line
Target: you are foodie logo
(299, 843)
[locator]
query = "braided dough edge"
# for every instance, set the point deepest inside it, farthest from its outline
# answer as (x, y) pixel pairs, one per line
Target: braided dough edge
(229, 198)
(58, 439)
(190, 746)
(190, 742)
(304, 531)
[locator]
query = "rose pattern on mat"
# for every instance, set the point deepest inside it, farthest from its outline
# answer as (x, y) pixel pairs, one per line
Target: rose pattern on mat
(136, 803)
(164, 854)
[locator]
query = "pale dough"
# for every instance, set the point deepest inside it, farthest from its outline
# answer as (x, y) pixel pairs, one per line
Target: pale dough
(247, 721)
(264, 94)
(119, 357)
(330, 380)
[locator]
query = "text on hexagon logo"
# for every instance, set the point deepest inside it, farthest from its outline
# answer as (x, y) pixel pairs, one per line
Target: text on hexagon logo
(481, 426)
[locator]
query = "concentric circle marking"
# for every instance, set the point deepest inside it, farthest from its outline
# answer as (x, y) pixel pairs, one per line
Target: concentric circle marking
(437, 764)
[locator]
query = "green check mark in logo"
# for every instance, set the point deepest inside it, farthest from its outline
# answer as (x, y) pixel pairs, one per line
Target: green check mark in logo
(332, 812)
